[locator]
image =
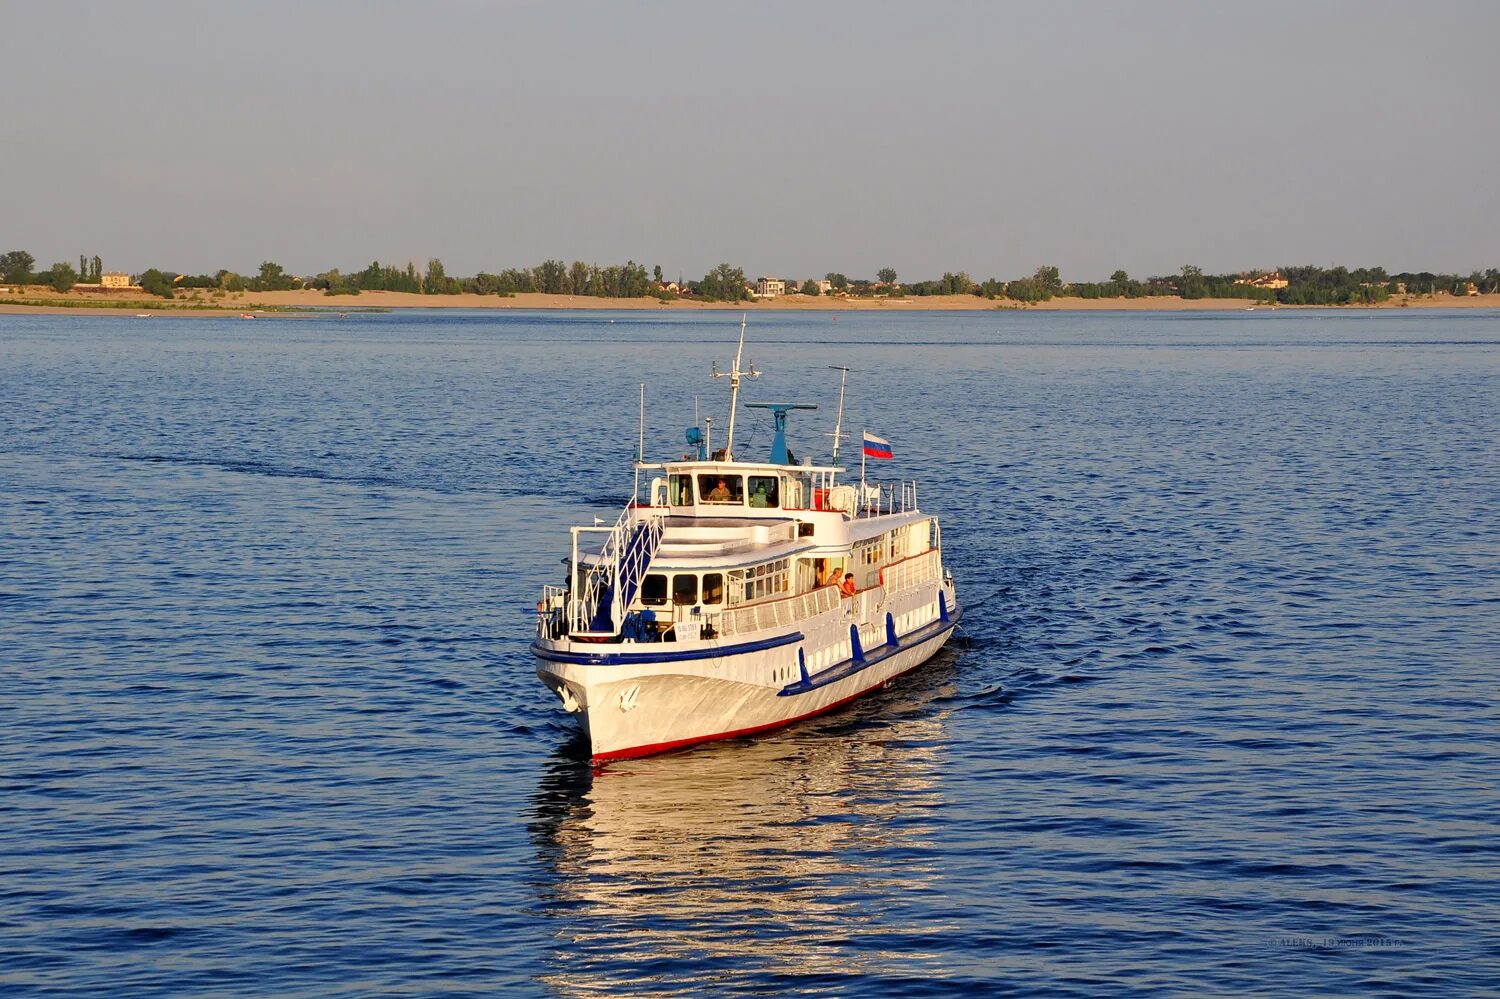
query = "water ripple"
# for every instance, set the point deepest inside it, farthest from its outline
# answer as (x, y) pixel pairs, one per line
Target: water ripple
(1222, 718)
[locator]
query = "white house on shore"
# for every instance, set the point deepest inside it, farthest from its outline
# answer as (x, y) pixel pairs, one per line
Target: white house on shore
(769, 287)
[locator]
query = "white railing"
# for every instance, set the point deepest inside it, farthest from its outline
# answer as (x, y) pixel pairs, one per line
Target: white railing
(550, 610)
(613, 568)
(924, 568)
(778, 613)
(880, 500)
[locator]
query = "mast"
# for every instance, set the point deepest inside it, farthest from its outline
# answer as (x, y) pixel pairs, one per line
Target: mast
(640, 447)
(734, 386)
(838, 424)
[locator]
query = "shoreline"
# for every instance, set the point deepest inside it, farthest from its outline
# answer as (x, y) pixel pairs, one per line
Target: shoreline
(310, 302)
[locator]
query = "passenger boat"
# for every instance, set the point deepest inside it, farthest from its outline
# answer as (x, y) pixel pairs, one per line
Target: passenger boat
(717, 604)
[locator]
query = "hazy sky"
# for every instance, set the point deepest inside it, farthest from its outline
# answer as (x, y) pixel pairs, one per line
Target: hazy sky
(786, 138)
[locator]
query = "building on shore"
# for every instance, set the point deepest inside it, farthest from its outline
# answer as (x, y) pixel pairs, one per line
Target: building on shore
(115, 279)
(1274, 281)
(769, 287)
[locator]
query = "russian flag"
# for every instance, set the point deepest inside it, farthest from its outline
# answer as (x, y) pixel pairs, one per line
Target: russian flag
(876, 447)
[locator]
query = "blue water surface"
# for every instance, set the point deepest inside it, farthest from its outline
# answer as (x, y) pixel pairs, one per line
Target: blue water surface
(1223, 722)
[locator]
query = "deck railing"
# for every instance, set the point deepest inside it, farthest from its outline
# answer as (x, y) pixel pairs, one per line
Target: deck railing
(778, 613)
(924, 568)
(882, 499)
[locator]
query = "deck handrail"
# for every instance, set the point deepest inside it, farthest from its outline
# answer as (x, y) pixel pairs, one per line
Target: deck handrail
(881, 500)
(780, 612)
(912, 571)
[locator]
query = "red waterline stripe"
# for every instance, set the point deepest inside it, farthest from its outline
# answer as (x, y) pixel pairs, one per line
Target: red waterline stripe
(667, 747)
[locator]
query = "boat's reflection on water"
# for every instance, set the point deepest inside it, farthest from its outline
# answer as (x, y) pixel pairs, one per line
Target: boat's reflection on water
(802, 853)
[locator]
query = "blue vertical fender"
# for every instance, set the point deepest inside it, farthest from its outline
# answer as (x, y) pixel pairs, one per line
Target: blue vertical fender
(856, 652)
(942, 605)
(802, 664)
(890, 631)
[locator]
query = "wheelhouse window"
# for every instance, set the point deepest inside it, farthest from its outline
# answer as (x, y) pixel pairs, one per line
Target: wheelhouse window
(654, 590)
(680, 490)
(713, 587)
(684, 589)
(727, 489)
(764, 491)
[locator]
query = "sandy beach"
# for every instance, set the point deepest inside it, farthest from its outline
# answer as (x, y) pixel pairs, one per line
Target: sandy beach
(114, 304)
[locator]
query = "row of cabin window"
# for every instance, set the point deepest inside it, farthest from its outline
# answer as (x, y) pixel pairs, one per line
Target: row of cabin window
(887, 547)
(745, 585)
(760, 581)
(726, 489)
(684, 589)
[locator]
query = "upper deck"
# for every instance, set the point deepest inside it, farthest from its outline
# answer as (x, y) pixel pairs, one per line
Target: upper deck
(716, 489)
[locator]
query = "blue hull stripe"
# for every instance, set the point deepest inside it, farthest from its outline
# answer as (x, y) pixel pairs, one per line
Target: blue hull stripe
(639, 658)
(872, 657)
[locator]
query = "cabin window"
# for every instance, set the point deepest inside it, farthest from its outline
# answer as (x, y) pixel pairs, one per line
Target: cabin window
(684, 589)
(763, 491)
(760, 582)
(794, 494)
(713, 587)
(680, 489)
(654, 590)
(728, 489)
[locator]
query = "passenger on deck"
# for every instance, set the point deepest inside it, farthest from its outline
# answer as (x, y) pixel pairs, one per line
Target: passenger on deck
(848, 589)
(719, 493)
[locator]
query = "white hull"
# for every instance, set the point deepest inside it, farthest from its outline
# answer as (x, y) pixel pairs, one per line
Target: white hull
(658, 700)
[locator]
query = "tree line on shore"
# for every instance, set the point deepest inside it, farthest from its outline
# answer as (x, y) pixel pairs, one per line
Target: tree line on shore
(725, 283)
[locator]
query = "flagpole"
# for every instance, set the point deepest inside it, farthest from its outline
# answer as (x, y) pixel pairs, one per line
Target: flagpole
(861, 464)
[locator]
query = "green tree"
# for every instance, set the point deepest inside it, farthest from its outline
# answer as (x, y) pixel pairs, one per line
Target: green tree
(15, 267)
(1049, 278)
(656, 274)
(61, 277)
(552, 277)
(1120, 278)
(1192, 284)
(272, 278)
(97, 271)
(956, 284)
(1030, 289)
(578, 278)
(887, 275)
(810, 287)
(724, 284)
(435, 279)
(156, 282)
(838, 281)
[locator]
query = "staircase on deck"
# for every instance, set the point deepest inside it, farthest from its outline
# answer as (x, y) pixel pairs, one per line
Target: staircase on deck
(613, 582)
